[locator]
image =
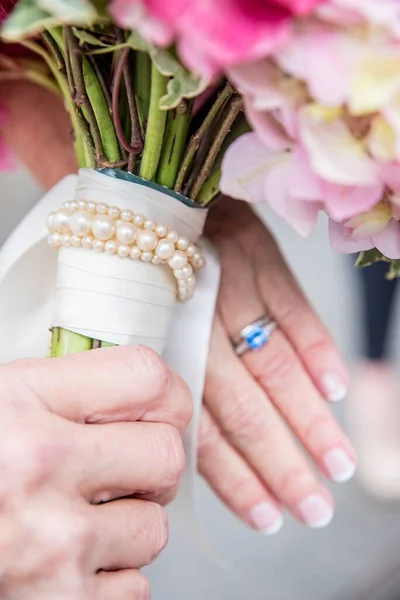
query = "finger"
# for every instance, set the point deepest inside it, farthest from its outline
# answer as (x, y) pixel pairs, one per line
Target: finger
(38, 129)
(112, 384)
(279, 371)
(131, 534)
(279, 291)
(124, 585)
(123, 459)
(301, 325)
(252, 425)
(234, 481)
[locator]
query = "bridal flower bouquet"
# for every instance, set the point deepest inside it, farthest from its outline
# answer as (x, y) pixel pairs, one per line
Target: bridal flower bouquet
(292, 102)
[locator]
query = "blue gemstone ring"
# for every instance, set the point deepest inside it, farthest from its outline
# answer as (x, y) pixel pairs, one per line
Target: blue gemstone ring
(254, 336)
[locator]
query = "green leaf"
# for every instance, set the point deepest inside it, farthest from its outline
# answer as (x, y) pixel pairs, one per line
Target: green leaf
(370, 257)
(88, 38)
(30, 17)
(182, 83)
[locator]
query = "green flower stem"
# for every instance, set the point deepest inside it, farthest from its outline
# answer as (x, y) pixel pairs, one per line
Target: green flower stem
(155, 126)
(80, 144)
(102, 113)
(64, 342)
(235, 107)
(175, 140)
(106, 345)
(142, 86)
(210, 188)
(194, 144)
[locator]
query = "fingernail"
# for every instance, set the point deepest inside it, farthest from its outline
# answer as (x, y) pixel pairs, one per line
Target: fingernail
(339, 465)
(266, 518)
(316, 512)
(334, 387)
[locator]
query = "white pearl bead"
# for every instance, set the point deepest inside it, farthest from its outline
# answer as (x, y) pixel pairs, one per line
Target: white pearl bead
(80, 222)
(102, 208)
(173, 236)
(138, 220)
(103, 227)
(198, 261)
(126, 215)
(91, 207)
(65, 205)
(135, 253)
(161, 231)
(178, 260)
(147, 256)
(182, 243)
(126, 233)
(191, 250)
(114, 212)
(73, 205)
(187, 271)
(81, 204)
(149, 224)
(156, 260)
(87, 242)
(61, 221)
(123, 250)
(110, 247)
(65, 240)
(191, 281)
(50, 221)
(54, 240)
(165, 249)
(179, 274)
(76, 241)
(146, 240)
(98, 245)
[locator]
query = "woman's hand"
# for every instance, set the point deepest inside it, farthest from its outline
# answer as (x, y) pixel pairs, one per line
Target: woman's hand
(76, 433)
(254, 404)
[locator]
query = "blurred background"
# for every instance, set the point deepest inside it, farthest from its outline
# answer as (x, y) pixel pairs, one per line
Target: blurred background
(296, 564)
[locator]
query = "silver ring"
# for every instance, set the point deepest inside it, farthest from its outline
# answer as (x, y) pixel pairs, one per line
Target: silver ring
(254, 336)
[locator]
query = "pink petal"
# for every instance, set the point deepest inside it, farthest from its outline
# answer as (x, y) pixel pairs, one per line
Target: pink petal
(333, 152)
(388, 241)
(301, 215)
(268, 129)
(303, 183)
(343, 202)
(244, 168)
(226, 33)
(342, 240)
(299, 7)
(390, 174)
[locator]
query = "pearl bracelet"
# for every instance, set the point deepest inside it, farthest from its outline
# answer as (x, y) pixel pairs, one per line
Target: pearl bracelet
(103, 228)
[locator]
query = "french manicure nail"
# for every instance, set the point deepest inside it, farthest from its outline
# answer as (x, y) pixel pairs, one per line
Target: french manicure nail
(339, 465)
(316, 511)
(334, 387)
(266, 518)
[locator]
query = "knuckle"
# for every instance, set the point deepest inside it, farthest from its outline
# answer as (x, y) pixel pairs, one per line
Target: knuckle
(276, 369)
(161, 529)
(242, 420)
(153, 367)
(172, 453)
(295, 484)
(209, 436)
(319, 347)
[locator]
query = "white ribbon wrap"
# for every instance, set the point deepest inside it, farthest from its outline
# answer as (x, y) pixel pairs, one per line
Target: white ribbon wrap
(28, 275)
(122, 301)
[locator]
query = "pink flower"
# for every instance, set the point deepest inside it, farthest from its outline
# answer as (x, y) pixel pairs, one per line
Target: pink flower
(299, 7)
(301, 157)
(6, 7)
(212, 35)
